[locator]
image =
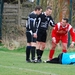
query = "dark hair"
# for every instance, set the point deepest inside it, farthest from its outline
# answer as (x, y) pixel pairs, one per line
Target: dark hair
(38, 8)
(66, 19)
(48, 7)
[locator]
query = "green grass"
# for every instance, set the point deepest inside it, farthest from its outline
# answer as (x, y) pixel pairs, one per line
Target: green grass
(13, 63)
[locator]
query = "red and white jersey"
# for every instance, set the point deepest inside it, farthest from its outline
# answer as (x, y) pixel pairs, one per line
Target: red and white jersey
(59, 30)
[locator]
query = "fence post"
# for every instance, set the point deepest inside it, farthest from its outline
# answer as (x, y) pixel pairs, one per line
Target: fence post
(38, 2)
(1, 11)
(70, 17)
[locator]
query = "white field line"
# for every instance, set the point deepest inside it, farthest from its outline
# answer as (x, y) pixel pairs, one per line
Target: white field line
(13, 67)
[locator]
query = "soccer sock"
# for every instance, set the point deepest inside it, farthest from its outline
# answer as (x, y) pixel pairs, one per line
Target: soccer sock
(33, 53)
(64, 50)
(39, 54)
(28, 52)
(51, 53)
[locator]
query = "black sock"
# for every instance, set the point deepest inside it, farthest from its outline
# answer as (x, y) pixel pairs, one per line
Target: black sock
(39, 54)
(28, 52)
(33, 53)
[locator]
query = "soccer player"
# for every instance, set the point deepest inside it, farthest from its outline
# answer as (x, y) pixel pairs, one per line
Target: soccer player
(60, 33)
(45, 20)
(31, 29)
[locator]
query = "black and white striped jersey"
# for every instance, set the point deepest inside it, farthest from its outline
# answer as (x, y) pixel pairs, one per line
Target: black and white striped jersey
(31, 24)
(44, 21)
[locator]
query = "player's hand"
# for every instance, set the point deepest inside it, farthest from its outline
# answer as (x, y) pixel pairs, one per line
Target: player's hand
(72, 45)
(34, 35)
(54, 39)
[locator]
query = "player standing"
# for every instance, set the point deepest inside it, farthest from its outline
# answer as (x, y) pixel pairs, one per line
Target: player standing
(31, 29)
(45, 20)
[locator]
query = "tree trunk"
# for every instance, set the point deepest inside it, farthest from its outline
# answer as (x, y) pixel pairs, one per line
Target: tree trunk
(44, 4)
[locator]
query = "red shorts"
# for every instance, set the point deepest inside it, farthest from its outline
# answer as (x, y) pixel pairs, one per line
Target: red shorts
(63, 39)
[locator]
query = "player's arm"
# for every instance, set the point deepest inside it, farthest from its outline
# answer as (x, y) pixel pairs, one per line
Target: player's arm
(52, 23)
(32, 21)
(31, 25)
(38, 21)
(72, 33)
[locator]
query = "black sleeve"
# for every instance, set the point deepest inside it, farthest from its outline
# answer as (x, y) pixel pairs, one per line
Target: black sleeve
(52, 23)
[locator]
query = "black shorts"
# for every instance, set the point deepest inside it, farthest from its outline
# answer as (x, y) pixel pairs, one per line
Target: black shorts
(41, 35)
(30, 37)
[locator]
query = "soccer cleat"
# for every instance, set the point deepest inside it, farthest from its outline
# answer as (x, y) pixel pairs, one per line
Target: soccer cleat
(39, 61)
(46, 61)
(28, 61)
(33, 61)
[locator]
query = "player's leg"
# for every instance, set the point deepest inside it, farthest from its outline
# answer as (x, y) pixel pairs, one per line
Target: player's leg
(42, 47)
(39, 50)
(41, 44)
(64, 43)
(38, 44)
(28, 47)
(64, 47)
(33, 48)
(52, 50)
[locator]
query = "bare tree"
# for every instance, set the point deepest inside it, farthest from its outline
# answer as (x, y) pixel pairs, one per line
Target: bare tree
(43, 3)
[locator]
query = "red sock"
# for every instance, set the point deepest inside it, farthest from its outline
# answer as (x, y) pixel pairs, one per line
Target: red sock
(64, 50)
(51, 53)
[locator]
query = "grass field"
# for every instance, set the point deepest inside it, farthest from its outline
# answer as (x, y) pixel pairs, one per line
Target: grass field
(13, 63)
